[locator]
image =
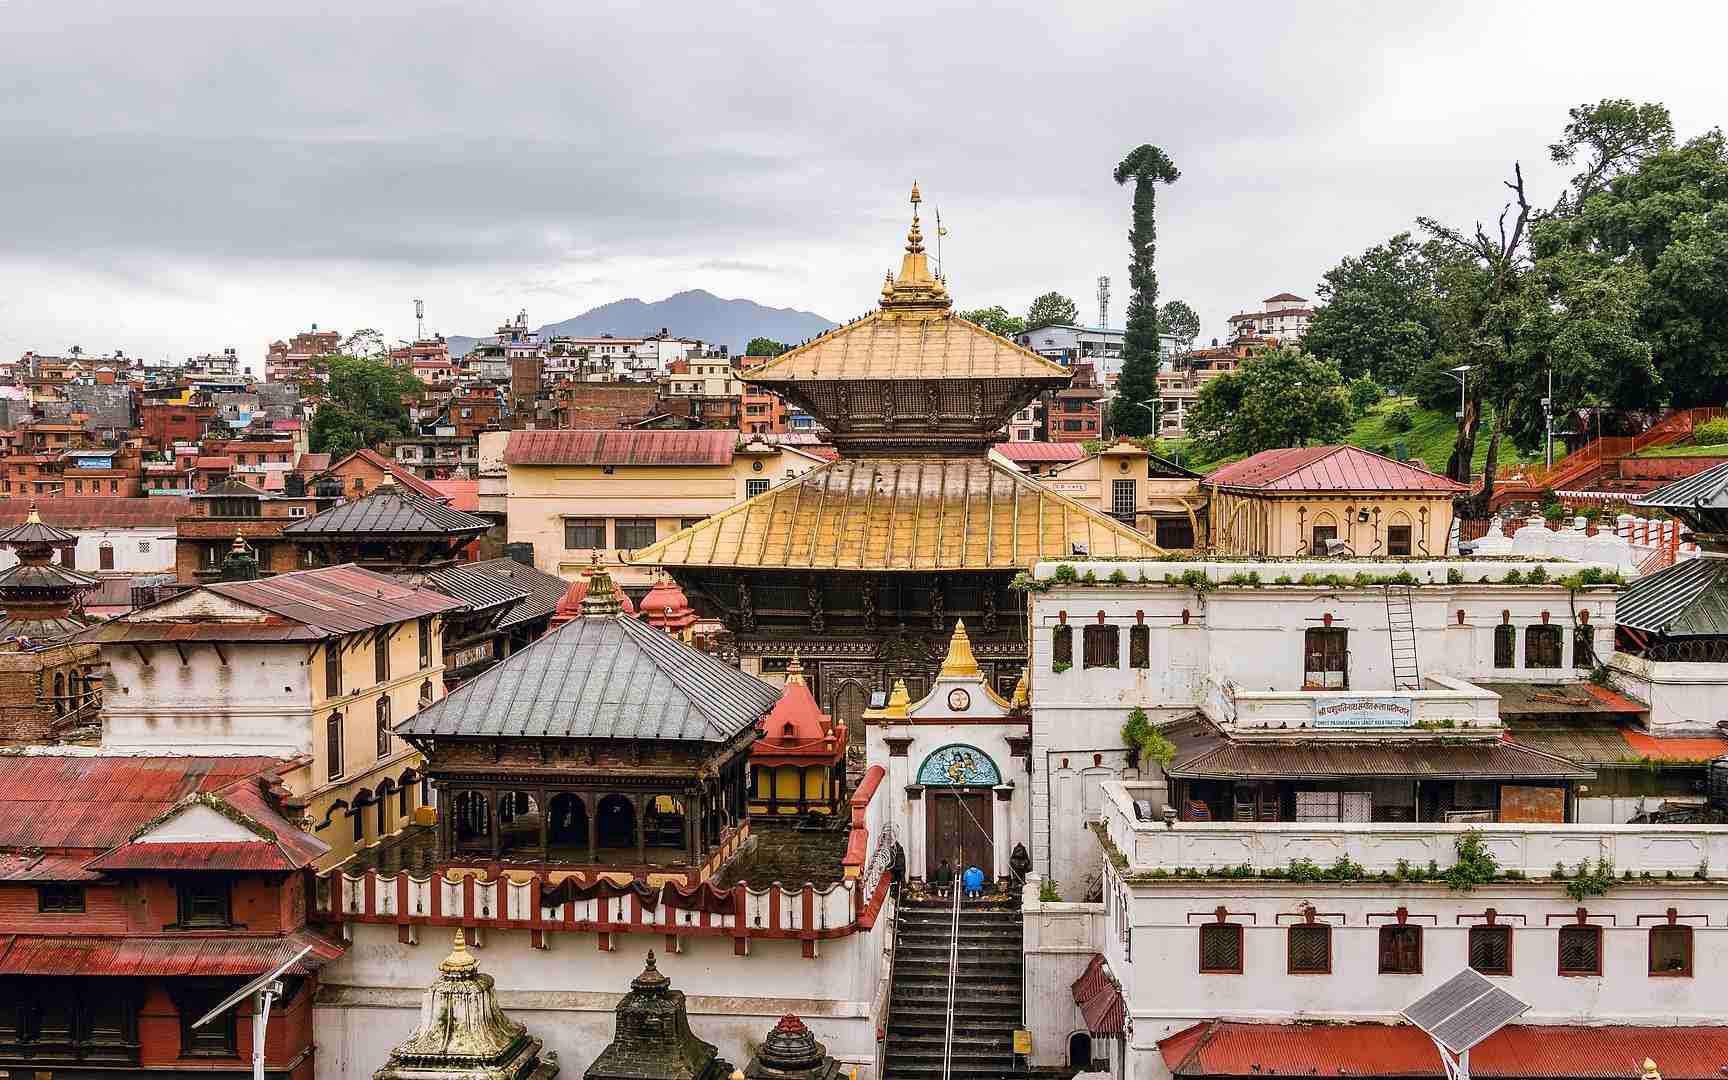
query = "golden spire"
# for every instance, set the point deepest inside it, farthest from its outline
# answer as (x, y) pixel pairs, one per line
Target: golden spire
(238, 547)
(460, 961)
(1022, 696)
(33, 518)
(916, 290)
(898, 702)
(1650, 1072)
(795, 671)
(914, 236)
(960, 660)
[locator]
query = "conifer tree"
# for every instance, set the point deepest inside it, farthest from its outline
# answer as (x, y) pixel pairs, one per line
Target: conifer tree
(1137, 386)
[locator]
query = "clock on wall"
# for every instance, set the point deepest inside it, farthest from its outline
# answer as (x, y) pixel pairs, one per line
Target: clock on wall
(959, 700)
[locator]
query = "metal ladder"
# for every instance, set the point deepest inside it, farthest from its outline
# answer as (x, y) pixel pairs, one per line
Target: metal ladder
(1401, 629)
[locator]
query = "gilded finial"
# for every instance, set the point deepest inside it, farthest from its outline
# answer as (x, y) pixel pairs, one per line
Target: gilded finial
(915, 291)
(898, 701)
(33, 518)
(916, 198)
(960, 660)
(239, 547)
(460, 961)
(795, 671)
(915, 235)
(1650, 1072)
(1022, 694)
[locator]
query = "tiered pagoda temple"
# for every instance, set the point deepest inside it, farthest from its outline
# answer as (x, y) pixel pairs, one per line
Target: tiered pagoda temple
(40, 598)
(862, 565)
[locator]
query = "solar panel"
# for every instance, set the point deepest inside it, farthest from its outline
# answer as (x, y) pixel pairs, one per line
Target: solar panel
(1464, 1010)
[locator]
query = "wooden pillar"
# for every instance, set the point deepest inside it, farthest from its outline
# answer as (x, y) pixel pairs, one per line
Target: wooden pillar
(492, 817)
(692, 818)
(545, 824)
(641, 832)
(591, 807)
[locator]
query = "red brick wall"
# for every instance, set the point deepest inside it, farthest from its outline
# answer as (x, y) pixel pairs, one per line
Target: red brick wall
(1665, 468)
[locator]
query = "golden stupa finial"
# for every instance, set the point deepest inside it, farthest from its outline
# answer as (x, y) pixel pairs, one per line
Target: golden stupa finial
(795, 671)
(460, 961)
(899, 701)
(916, 291)
(915, 235)
(1650, 1072)
(239, 547)
(1022, 693)
(33, 518)
(960, 660)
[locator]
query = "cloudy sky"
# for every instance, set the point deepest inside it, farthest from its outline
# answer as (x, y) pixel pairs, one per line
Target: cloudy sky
(218, 174)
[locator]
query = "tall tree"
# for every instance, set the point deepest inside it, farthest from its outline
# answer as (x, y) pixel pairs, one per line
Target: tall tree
(1147, 167)
(996, 320)
(1181, 322)
(1616, 137)
(362, 405)
(1277, 398)
(1381, 312)
(364, 343)
(761, 346)
(1052, 309)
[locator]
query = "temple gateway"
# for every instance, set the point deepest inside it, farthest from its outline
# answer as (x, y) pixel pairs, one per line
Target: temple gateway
(860, 567)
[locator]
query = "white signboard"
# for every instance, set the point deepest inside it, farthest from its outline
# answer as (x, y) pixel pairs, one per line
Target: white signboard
(1364, 712)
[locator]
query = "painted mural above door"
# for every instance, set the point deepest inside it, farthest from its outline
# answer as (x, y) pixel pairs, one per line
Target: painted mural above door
(957, 765)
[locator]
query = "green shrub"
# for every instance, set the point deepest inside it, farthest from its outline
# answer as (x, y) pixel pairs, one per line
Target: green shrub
(1064, 575)
(1711, 432)
(1537, 576)
(1554, 512)
(1514, 577)
(1147, 741)
(1049, 892)
(1454, 576)
(1400, 420)
(1117, 577)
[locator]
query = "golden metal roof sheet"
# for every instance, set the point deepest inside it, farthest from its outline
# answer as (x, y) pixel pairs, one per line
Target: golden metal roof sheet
(892, 345)
(906, 513)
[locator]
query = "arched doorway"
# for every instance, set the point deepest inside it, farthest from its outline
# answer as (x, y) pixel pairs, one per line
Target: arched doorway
(615, 822)
(569, 824)
(958, 816)
(518, 821)
(1080, 1050)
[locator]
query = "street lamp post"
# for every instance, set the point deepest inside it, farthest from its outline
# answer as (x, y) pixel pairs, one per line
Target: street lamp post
(1460, 372)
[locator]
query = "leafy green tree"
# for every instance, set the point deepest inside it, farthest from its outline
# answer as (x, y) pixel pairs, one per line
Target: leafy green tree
(1052, 309)
(996, 320)
(1147, 166)
(1616, 136)
(362, 405)
(1277, 398)
(364, 343)
(1365, 393)
(1382, 312)
(761, 346)
(1181, 322)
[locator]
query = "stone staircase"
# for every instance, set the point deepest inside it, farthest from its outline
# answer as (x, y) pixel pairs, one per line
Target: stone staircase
(987, 990)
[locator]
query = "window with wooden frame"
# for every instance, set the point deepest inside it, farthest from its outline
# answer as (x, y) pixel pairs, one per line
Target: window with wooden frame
(333, 668)
(424, 627)
(218, 1038)
(1491, 949)
(1398, 540)
(1505, 646)
(1542, 647)
(1310, 949)
(60, 898)
(1580, 950)
(1671, 951)
(584, 533)
(1321, 534)
(1400, 949)
(1102, 646)
(333, 747)
(1583, 645)
(381, 657)
(1326, 658)
(1220, 949)
(1173, 533)
(633, 533)
(383, 726)
(1140, 646)
(204, 903)
(1062, 646)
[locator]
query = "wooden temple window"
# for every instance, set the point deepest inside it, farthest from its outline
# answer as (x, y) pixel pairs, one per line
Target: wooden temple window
(1140, 646)
(1505, 646)
(333, 747)
(1671, 951)
(333, 668)
(1542, 647)
(1397, 539)
(1103, 646)
(1221, 949)
(424, 627)
(218, 1038)
(204, 903)
(60, 898)
(381, 657)
(1062, 646)
(1580, 950)
(1310, 949)
(1491, 949)
(633, 533)
(1174, 533)
(1326, 656)
(1322, 533)
(1401, 950)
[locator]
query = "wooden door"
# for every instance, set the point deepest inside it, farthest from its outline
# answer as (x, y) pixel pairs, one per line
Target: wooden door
(958, 829)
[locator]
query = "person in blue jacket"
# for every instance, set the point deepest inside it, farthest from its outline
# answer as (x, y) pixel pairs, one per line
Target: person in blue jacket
(974, 879)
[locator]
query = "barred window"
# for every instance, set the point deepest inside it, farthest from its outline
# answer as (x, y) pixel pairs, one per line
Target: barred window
(1542, 647)
(1221, 949)
(1400, 950)
(1397, 539)
(633, 533)
(1062, 645)
(1139, 646)
(1310, 949)
(1505, 646)
(1103, 645)
(1491, 949)
(1580, 950)
(1671, 950)
(333, 747)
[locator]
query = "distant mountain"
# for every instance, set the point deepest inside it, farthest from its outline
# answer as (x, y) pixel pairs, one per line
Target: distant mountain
(693, 313)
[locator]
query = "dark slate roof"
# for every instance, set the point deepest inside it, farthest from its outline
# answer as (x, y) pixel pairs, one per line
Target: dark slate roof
(35, 532)
(41, 631)
(1688, 598)
(392, 513)
(22, 576)
(1319, 759)
(1708, 488)
(476, 588)
(544, 590)
(602, 677)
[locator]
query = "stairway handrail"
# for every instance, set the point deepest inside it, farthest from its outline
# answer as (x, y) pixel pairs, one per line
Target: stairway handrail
(888, 996)
(953, 968)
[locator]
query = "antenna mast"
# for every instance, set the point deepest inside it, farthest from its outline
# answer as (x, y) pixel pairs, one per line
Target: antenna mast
(419, 320)
(1103, 301)
(941, 267)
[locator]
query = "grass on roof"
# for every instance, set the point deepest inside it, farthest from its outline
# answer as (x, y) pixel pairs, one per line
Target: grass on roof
(1688, 450)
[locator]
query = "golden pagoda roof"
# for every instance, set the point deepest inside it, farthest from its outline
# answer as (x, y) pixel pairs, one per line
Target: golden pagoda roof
(901, 513)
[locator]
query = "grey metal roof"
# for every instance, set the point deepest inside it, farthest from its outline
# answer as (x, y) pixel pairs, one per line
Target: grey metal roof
(476, 588)
(544, 590)
(602, 677)
(1496, 759)
(1709, 488)
(36, 532)
(391, 513)
(1689, 598)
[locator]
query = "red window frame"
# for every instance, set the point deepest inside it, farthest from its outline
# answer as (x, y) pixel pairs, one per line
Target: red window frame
(1560, 952)
(1216, 927)
(1324, 929)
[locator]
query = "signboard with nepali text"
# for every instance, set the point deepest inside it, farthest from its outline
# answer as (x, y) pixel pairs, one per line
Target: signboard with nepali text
(1364, 712)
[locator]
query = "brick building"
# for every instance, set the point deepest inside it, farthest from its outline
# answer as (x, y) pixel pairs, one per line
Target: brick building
(204, 538)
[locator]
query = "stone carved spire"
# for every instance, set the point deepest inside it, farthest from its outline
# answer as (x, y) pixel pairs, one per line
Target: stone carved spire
(791, 1052)
(652, 1038)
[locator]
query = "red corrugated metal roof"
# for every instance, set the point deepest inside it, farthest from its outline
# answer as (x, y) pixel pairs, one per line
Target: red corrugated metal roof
(40, 954)
(18, 866)
(1099, 999)
(461, 495)
(214, 462)
(195, 855)
(631, 447)
(1327, 468)
(1675, 748)
(83, 513)
(1040, 451)
(95, 803)
(1523, 1050)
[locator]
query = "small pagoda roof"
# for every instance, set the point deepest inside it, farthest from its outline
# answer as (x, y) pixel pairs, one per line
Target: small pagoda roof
(1688, 599)
(33, 531)
(910, 513)
(797, 731)
(388, 511)
(601, 677)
